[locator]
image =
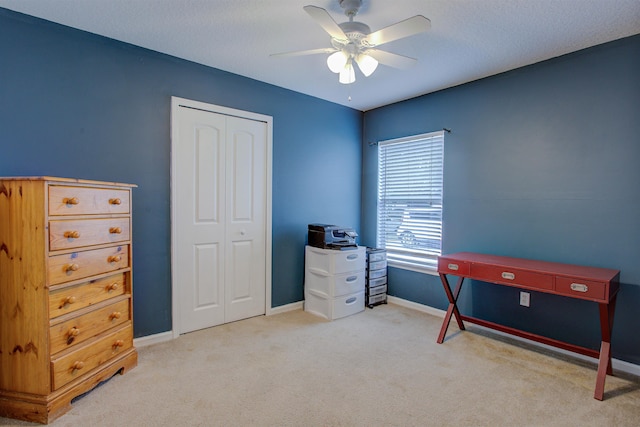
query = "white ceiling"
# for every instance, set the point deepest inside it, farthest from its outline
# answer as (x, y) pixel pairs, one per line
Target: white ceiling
(468, 40)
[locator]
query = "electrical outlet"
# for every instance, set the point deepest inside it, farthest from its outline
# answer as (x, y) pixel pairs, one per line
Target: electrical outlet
(525, 298)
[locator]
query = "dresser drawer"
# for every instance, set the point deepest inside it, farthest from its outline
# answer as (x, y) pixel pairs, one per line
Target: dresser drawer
(68, 300)
(78, 265)
(451, 266)
(77, 330)
(511, 276)
(67, 367)
(72, 200)
(87, 232)
(579, 288)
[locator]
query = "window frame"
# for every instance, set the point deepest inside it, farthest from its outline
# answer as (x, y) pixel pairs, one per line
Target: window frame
(426, 204)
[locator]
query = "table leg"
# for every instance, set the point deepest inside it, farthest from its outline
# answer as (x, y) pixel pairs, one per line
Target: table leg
(604, 361)
(453, 308)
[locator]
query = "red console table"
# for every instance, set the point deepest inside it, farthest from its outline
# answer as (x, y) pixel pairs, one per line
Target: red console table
(599, 285)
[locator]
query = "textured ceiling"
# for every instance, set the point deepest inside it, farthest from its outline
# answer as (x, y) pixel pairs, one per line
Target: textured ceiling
(468, 40)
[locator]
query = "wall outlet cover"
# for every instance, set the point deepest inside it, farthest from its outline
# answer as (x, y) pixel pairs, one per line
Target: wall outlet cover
(525, 299)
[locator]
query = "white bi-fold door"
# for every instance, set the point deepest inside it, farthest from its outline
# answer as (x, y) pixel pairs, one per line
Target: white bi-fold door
(220, 174)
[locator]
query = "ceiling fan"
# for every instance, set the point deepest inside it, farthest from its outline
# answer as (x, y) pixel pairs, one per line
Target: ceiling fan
(353, 41)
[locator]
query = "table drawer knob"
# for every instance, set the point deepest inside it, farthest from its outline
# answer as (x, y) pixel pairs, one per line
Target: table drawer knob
(579, 287)
(112, 287)
(71, 234)
(71, 200)
(453, 267)
(71, 267)
(115, 230)
(114, 258)
(115, 201)
(115, 315)
(77, 365)
(508, 276)
(118, 343)
(68, 300)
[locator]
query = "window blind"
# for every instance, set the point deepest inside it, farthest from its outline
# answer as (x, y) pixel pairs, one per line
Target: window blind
(410, 181)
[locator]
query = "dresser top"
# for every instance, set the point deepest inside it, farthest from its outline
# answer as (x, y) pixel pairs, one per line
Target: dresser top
(63, 180)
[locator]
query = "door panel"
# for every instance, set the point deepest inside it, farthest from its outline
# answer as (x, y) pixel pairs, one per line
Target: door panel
(246, 207)
(207, 294)
(199, 221)
(206, 155)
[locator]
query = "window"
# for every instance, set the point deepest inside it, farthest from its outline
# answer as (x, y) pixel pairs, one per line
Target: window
(410, 177)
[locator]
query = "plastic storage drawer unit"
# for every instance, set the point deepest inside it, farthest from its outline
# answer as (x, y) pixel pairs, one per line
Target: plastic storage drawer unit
(376, 277)
(334, 281)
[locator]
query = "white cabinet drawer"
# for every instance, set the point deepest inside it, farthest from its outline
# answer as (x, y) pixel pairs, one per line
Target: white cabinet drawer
(334, 285)
(331, 261)
(333, 308)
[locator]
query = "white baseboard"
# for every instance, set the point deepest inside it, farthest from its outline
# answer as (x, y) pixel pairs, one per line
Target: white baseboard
(416, 306)
(153, 339)
(285, 308)
(618, 365)
(169, 335)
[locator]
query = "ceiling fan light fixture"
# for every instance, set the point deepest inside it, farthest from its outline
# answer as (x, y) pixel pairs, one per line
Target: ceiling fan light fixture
(337, 61)
(367, 64)
(347, 75)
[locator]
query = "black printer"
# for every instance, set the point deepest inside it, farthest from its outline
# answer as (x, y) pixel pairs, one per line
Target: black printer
(328, 236)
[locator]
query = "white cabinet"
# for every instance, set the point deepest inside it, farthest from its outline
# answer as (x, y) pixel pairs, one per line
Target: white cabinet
(334, 281)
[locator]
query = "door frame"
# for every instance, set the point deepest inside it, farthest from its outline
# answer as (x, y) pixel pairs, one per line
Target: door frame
(177, 103)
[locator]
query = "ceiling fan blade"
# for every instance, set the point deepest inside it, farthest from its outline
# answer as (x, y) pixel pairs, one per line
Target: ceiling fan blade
(399, 30)
(391, 59)
(325, 20)
(305, 52)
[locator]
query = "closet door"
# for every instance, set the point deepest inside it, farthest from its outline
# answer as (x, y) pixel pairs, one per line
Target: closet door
(245, 213)
(219, 218)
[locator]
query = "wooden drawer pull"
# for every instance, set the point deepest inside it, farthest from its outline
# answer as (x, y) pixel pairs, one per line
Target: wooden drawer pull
(118, 343)
(114, 258)
(71, 234)
(73, 332)
(115, 315)
(70, 200)
(68, 300)
(112, 287)
(115, 201)
(71, 267)
(115, 230)
(77, 365)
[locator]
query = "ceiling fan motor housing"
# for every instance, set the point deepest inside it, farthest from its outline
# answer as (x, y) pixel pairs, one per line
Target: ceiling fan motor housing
(355, 31)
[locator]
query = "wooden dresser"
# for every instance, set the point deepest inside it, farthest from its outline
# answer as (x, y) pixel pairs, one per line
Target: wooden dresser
(65, 292)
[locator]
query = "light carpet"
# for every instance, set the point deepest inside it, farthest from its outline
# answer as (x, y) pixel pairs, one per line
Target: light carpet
(381, 367)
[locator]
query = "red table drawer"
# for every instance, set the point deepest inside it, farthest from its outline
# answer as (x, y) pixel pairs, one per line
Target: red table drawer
(579, 288)
(453, 266)
(511, 276)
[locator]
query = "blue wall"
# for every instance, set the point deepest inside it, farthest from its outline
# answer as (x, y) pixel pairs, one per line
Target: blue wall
(73, 104)
(542, 163)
